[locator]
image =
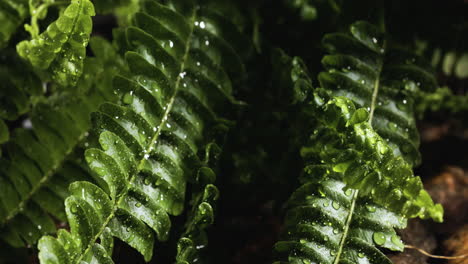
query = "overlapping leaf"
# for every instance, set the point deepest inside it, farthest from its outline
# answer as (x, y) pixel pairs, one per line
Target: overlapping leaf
(59, 51)
(347, 142)
(42, 160)
(149, 142)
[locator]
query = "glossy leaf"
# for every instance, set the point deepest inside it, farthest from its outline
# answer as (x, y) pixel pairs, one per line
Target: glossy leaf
(59, 51)
(150, 141)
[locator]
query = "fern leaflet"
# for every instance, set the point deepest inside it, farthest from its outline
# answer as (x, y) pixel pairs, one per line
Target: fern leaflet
(59, 51)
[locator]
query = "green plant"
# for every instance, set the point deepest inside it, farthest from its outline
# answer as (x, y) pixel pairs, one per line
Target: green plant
(141, 137)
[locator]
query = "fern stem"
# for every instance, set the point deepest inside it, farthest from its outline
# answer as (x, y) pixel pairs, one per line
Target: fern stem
(349, 219)
(150, 146)
(346, 229)
(34, 29)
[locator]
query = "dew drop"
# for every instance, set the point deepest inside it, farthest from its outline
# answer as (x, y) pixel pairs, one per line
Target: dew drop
(379, 238)
(335, 205)
(371, 208)
(349, 192)
(147, 181)
(128, 98)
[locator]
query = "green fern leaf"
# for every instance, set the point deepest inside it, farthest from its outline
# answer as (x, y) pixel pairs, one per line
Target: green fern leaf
(12, 15)
(149, 142)
(362, 69)
(59, 51)
(41, 161)
(351, 204)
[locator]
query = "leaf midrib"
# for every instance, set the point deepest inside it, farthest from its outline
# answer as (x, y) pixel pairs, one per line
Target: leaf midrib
(354, 198)
(152, 143)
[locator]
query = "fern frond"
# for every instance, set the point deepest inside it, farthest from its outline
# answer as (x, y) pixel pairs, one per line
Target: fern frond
(362, 69)
(59, 51)
(149, 142)
(202, 216)
(442, 99)
(12, 15)
(194, 239)
(351, 203)
(41, 161)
